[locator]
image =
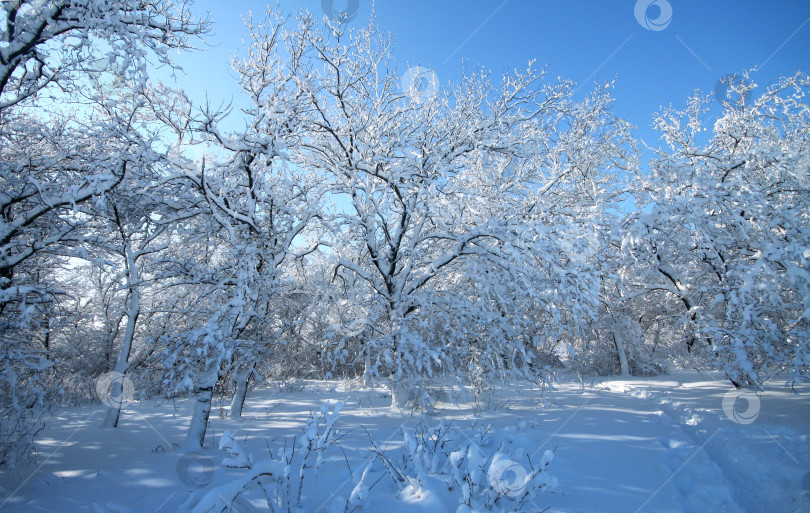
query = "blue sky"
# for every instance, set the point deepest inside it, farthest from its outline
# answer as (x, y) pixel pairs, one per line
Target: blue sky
(695, 43)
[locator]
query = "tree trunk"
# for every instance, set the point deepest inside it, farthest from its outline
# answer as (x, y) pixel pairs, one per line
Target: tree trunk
(619, 341)
(399, 392)
(204, 393)
(399, 395)
(241, 379)
(122, 365)
(366, 365)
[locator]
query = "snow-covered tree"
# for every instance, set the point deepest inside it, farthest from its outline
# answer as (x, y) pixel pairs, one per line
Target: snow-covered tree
(57, 152)
(725, 226)
(478, 182)
(142, 218)
(59, 41)
(257, 210)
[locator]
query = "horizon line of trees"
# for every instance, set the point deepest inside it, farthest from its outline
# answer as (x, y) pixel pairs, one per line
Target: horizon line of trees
(467, 235)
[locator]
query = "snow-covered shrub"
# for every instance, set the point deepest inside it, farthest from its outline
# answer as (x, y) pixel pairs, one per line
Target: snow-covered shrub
(22, 400)
(599, 358)
(483, 478)
(25, 369)
(237, 458)
(485, 472)
(615, 345)
(279, 480)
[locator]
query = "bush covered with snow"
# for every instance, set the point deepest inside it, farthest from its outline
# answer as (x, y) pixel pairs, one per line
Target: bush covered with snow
(481, 472)
(478, 471)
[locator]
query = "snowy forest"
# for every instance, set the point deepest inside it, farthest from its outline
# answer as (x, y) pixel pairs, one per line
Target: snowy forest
(426, 244)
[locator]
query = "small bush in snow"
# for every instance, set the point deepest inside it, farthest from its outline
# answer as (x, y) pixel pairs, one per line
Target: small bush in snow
(483, 480)
(279, 480)
(482, 475)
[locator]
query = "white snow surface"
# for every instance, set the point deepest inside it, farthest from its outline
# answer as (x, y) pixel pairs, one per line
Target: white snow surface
(662, 444)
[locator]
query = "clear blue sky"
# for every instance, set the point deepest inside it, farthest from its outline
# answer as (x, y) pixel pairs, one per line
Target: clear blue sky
(581, 40)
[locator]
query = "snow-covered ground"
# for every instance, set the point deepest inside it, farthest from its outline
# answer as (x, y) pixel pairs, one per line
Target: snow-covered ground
(672, 443)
